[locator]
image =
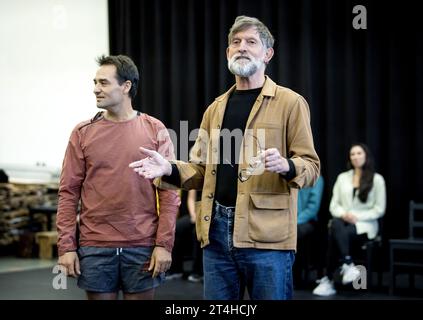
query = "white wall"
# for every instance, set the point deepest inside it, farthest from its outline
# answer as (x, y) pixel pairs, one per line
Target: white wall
(47, 63)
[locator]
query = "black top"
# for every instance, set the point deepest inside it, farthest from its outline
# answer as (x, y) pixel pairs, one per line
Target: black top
(236, 115)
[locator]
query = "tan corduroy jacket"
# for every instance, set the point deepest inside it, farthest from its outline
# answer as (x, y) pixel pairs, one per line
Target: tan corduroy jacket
(266, 205)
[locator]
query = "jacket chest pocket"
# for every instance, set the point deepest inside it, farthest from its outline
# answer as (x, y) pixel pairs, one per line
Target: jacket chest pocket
(270, 135)
(268, 217)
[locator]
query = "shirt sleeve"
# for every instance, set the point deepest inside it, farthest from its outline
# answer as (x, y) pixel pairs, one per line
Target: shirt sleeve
(174, 177)
(191, 175)
(71, 179)
(313, 204)
(301, 147)
(169, 200)
(335, 207)
(291, 173)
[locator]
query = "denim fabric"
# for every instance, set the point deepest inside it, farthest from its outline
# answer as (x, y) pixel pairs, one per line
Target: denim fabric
(112, 269)
(267, 274)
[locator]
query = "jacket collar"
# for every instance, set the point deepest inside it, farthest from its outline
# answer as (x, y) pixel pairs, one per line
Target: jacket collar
(269, 89)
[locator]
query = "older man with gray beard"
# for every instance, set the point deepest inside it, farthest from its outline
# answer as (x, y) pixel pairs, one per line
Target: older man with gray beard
(242, 65)
(247, 220)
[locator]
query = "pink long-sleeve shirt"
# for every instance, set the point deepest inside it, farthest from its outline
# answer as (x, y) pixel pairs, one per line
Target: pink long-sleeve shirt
(118, 207)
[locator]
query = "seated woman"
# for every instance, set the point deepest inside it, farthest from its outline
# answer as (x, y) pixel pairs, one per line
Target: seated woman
(358, 200)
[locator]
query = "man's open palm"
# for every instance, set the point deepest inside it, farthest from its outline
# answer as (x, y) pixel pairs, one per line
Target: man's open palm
(154, 166)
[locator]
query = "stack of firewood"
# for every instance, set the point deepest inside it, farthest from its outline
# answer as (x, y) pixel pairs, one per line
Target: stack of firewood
(15, 200)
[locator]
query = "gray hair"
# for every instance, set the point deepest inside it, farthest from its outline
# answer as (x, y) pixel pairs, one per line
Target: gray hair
(243, 22)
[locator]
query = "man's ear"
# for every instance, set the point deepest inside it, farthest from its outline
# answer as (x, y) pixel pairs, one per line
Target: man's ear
(269, 55)
(227, 53)
(127, 85)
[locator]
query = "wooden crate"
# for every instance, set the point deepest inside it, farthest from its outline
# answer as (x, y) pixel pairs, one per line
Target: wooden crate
(46, 240)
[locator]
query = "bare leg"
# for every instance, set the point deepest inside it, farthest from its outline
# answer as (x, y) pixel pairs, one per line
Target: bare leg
(102, 296)
(145, 295)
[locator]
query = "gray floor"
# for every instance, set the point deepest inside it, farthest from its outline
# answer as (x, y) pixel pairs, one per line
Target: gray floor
(38, 284)
(13, 264)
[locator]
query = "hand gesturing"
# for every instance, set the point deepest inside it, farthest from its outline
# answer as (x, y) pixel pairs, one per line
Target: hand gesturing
(153, 166)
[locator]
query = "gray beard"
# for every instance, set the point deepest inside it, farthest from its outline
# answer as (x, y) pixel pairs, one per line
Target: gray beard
(244, 70)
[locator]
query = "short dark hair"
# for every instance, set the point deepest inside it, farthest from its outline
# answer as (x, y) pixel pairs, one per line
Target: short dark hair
(125, 70)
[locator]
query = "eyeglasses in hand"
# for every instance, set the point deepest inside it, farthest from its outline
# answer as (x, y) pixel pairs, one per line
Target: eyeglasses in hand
(255, 162)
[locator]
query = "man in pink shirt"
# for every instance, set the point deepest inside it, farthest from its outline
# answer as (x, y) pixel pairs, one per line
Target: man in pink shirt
(125, 240)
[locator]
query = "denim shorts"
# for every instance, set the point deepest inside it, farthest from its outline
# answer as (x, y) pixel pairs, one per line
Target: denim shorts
(114, 269)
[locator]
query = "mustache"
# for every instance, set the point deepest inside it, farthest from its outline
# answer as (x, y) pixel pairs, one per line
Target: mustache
(240, 56)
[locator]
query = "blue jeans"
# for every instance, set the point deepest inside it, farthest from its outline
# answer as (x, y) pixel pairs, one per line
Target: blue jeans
(267, 274)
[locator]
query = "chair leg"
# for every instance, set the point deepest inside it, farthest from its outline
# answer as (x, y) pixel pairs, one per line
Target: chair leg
(370, 257)
(392, 271)
(380, 277)
(411, 278)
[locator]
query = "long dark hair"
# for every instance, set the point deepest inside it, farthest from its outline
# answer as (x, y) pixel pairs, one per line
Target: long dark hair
(367, 171)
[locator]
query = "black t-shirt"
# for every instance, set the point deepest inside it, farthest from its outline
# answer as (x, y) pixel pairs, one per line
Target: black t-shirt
(236, 115)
